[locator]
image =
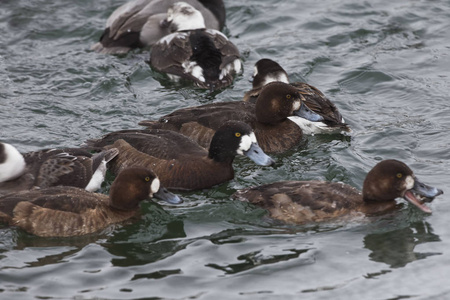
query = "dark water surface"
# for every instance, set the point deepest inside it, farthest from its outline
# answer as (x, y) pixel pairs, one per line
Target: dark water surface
(385, 64)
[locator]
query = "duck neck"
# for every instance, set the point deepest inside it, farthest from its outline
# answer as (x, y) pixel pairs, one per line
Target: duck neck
(377, 207)
(124, 199)
(220, 156)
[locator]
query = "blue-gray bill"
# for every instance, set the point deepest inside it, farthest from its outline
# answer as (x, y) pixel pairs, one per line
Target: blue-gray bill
(421, 193)
(256, 154)
(306, 113)
(164, 194)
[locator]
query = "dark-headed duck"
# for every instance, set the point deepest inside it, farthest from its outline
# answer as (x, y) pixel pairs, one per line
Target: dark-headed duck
(181, 163)
(52, 167)
(192, 52)
(268, 117)
(267, 70)
(140, 23)
(314, 201)
(71, 211)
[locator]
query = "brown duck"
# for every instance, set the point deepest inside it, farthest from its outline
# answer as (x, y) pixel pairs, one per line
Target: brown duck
(301, 202)
(71, 211)
(267, 70)
(180, 162)
(51, 167)
(268, 118)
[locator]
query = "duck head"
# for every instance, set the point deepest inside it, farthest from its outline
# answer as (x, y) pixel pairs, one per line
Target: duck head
(267, 71)
(136, 184)
(391, 179)
(237, 138)
(279, 100)
(182, 16)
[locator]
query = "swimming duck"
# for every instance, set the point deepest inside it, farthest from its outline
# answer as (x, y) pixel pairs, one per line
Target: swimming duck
(204, 56)
(52, 167)
(139, 23)
(181, 164)
(267, 70)
(71, 211)
(268, 117)
(314, 201)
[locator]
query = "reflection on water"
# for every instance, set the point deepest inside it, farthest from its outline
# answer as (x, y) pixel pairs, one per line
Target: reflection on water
(396, 248)
(259, 258)
(378, 61)
(141, 253)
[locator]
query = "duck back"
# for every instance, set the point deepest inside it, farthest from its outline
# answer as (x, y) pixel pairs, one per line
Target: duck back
(299, 202)
(60, 211)
(191, 170)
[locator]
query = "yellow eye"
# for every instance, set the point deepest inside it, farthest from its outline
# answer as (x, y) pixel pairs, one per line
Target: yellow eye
(399, 175)
(237, 134)
(147, 178)
(288, 96)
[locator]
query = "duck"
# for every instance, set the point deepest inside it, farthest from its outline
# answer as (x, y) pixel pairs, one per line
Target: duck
(181, 163)
(139, 24)
(268, 118)
(71, 211)
(51, 167)
(302, 202)
(193, 52)
(267, 70)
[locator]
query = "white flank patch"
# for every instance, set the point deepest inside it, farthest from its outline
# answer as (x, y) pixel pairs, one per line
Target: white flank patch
(97, 178)
(234, 67)
(246, 142)
(409, 180)
(156, 184)
(237, 66)
(312, 128)
(191, 67)
(14, 164)
(275, 77)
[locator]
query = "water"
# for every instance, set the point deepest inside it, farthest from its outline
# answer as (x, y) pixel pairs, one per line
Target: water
(384, 63)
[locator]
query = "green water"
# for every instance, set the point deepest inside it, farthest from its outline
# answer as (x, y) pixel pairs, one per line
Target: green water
(384, 63)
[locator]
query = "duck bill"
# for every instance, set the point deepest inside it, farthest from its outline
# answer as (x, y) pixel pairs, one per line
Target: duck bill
(256, 154)
(425, 192)
(306, 113)
(164, 194)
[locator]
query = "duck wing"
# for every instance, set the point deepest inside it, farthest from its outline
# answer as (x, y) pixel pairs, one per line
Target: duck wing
(57, 211)
(163, 144)
(303, 201)
(320, 104)
(201, 122)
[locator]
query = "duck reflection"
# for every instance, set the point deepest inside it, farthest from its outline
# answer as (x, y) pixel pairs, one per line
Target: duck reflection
(396, 248)
(135, 242)
(155, 237)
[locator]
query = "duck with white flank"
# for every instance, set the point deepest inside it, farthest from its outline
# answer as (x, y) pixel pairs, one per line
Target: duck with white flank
(51, 167)
(181, 163)
(267, 70)
(139, 23)
(301, 202)
(204, 56)
(268, 118)
(71, 211)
